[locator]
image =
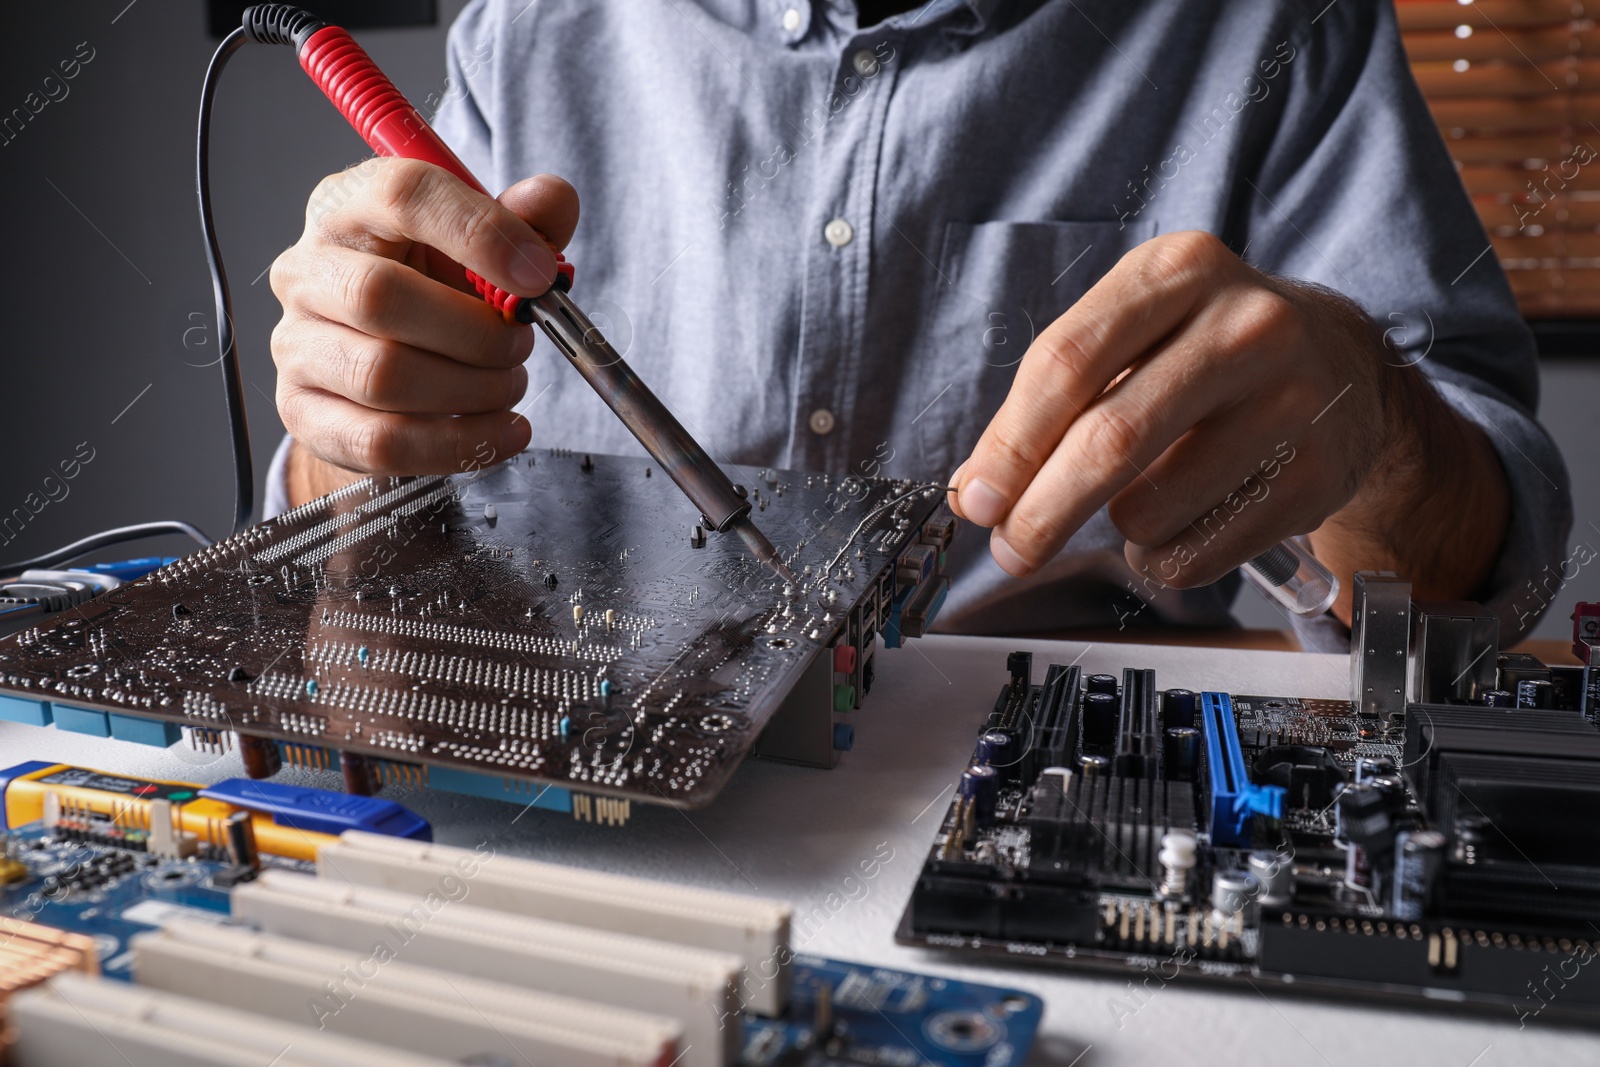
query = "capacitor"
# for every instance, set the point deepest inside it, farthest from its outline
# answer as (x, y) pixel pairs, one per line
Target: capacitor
(1177, 708)
(980, 786)
(1103, 683)
(1177, 858)
(1499, 698)
(1535, 693)
(1091, 765)
(1418, 855)
(1275, 873)
(1368, 766)
(1100, 718)
(994, 749)
(1392, 788)
(1357, 867)
(1231, 891)
(241, 838)
(1180, 751)
(1362, 814)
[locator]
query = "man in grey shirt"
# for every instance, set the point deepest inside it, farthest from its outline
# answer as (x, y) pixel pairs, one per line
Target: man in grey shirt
(1153, 284)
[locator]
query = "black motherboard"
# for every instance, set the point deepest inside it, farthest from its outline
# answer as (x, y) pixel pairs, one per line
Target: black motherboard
(1444, 850)
(556, 629)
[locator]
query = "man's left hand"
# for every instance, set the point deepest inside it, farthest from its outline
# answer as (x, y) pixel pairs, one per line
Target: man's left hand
(1218, 410)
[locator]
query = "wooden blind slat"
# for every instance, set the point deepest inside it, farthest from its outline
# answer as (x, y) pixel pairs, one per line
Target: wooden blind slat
(1517, 113)
(1514, 148)
(1487, 14)
(1571, 213)
(1542, 183)
(1439, 80)
(1537, 44)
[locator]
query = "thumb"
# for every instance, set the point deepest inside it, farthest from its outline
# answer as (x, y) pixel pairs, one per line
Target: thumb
(547, 203)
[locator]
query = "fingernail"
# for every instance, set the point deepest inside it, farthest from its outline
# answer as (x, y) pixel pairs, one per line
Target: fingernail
(533, 265)
(983, 503)
(1007, 557)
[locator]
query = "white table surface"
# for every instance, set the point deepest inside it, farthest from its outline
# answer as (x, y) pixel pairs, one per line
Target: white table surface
(801, 834)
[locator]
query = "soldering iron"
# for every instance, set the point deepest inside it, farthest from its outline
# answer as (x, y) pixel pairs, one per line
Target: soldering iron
(389, 124)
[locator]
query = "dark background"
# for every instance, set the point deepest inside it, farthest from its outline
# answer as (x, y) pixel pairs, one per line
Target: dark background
(106, 301)
(106, 295)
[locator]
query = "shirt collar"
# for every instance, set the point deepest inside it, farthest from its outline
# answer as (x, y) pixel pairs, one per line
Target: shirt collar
(794, 17)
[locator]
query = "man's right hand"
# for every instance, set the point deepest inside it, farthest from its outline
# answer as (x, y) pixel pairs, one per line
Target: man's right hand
(388, 361)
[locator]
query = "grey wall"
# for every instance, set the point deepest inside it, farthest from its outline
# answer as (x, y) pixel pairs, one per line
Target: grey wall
(105, 296)
(105, 281)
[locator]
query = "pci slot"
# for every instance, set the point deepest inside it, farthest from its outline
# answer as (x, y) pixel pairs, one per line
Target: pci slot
(1138, 743)
(754, 929)
(439, 928)
(68, 1021)
(377, 997)
(1233, 798)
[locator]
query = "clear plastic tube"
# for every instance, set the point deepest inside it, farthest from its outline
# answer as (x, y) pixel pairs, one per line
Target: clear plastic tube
(1291, 576)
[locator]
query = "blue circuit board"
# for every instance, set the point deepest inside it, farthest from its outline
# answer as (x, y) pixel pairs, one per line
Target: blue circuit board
(874, 1016)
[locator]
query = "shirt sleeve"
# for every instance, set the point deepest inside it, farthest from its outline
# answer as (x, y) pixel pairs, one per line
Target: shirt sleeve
(1356, 191)
(458, 113)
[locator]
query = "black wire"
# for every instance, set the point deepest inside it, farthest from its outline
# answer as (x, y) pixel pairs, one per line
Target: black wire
(104, 538)
(232, 379)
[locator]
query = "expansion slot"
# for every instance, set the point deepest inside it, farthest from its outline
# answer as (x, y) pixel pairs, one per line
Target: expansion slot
(1233, 796)
(375, 996)
(438, 928)
(755, 930)
(87, 1023)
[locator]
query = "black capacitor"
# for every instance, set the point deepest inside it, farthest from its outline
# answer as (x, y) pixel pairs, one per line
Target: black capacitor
(1100, 718)
(980, 785)
(994, 748)
(1103, 683)
(1091, 765)
(1363, 815)
(1392, 788)
(1180, 751)
(1177, 708)
(1499, 698)
(1372, 766)
(1535, 693)
(1418, 855)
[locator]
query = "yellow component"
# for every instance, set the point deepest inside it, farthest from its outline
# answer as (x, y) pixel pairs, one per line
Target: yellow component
(12, 870)
(194, 814)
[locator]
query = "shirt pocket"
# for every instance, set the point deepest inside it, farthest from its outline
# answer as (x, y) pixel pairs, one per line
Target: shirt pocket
(1001, 284)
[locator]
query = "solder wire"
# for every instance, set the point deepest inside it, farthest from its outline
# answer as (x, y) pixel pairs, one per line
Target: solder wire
(873, 514)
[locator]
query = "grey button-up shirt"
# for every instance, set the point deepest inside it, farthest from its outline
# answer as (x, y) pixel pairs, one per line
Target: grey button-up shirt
(827, 247)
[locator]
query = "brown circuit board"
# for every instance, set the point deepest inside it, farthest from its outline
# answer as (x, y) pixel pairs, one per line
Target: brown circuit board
(553, 622)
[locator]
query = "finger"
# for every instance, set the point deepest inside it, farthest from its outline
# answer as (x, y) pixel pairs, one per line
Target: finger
(388, 443)
(390, 376)
(547, 203)
(1229, 533)
(1112, 445)
(407, 200)
(383, 298)
(1147, 295)
(1227, 451)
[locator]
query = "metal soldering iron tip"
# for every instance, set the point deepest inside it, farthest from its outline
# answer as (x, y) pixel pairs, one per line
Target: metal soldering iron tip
(762, 549)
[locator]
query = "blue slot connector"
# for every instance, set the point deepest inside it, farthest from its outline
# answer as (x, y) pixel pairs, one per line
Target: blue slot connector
(513, 790)
(304, 808)
(1234, 798)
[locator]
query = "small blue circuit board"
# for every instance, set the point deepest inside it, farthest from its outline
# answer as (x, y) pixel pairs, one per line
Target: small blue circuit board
(871, 1015)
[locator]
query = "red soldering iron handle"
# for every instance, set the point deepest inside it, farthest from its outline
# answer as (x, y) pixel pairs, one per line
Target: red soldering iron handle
(389, 124)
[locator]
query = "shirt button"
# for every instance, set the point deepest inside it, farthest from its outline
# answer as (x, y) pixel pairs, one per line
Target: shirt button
(821, 422)
(865, 62)
(791, 19)
(838, 233)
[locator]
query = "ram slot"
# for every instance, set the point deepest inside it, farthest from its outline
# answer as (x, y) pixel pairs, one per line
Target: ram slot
(373, 996)
(89, 1023)
(755, 930)
(694, 987)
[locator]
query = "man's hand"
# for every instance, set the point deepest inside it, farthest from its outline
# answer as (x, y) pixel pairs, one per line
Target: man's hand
(1218, 410)
(388, 362)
